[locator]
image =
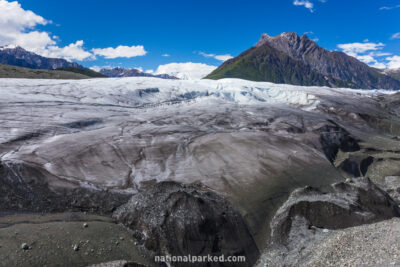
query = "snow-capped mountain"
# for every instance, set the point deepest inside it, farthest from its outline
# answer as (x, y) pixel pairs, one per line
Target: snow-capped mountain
(123, 72)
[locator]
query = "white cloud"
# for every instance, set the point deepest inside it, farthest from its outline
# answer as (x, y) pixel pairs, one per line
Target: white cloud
(395, 36)
(17, 26)
(365, 52)
(389, 7)
(96, 68)
(120, 51)
(353, 49)
(217, 57)
(369, 54)
(381, 54)
(166, 55)
(367, 59)
(186, 71)
(18, 29)
(378, 65)
(307, 4)
(69, 52)
(15, 19)
(394, 62)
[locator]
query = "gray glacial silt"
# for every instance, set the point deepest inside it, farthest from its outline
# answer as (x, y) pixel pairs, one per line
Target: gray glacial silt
(252, 143)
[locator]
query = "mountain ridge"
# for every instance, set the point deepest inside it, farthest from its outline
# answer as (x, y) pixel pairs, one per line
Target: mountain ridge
(337, 68)
(20, 57)
(123, 72)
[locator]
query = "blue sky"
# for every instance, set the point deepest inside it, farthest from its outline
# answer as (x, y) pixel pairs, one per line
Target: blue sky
(184, 28)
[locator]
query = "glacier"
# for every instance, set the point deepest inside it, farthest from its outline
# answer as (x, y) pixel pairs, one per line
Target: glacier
(251, 142)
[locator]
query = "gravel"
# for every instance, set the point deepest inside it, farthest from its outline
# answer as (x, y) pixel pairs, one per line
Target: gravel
(374, 244)
(367, 245)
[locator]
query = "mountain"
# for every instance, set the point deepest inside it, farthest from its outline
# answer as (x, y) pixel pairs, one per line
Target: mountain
(289, 58)
(266, 63)
(8, 71)
(394, 73)
(121, 72)
(20, 57)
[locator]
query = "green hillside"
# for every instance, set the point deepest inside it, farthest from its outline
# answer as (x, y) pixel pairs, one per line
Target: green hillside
(84, 71)
(8, 71)
(266, 63)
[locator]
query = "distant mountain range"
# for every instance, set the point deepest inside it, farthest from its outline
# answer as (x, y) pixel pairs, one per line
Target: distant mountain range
(291, 59)
(122, 72)
(20, 57)
(12, 58)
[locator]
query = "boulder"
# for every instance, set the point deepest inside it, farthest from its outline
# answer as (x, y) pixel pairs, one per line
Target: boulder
(175, 219)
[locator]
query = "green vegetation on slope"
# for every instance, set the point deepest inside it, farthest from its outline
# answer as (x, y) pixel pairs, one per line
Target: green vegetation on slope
(395, 75)
(265, 63)
(84, 71)
(7, 71)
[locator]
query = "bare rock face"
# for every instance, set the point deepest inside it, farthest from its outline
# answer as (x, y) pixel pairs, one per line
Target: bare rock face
(340, 206)
(175, 219)
(333, 138)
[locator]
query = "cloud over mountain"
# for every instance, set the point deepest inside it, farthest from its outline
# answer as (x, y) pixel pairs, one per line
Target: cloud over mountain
(19, 28)
(370, 54)
(186, 71)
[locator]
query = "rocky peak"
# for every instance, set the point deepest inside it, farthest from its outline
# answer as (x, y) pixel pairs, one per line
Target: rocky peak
(264, 39)
(289, 35)
(289, 43)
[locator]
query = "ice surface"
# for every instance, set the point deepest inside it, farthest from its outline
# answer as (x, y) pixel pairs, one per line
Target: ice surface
(136, 92)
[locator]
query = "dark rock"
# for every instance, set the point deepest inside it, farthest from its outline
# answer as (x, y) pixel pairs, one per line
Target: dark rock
(333, 138)
(25, 187)
(175, 219)
(24, 246)
(340, 206)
